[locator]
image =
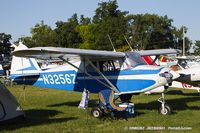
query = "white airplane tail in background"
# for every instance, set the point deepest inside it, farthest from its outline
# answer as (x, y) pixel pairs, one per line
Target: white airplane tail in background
(23, 66)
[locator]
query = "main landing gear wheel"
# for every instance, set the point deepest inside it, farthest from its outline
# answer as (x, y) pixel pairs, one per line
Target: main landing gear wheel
(165, 109)
(96, 112)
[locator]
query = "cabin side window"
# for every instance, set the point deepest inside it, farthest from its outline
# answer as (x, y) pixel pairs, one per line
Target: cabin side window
(110, 65)
(104, 65)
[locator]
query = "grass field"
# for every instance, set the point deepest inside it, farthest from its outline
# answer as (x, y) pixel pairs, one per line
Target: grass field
(49, 110)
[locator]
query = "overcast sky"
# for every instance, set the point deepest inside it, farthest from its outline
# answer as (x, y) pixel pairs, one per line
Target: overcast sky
(19, 16)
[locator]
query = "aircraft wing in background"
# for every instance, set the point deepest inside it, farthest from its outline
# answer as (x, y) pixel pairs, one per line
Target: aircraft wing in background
(157, 52)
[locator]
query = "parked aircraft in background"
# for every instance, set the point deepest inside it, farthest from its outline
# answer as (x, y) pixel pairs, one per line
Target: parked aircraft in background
(185, 62)
(125, 74)
(187, 67)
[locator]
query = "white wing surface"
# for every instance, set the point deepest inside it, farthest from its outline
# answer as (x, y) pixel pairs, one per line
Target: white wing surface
(55, 52)
(157, 52)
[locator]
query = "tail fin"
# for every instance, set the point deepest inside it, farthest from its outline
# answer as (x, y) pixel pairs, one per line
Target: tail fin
(23, 66)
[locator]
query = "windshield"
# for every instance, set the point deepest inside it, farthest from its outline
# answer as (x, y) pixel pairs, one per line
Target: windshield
(134, 59)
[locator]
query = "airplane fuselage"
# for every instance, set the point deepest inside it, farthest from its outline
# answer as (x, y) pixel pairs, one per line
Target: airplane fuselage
(131, 80)
(190, 76)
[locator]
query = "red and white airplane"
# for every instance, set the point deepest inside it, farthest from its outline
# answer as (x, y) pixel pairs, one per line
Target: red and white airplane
(189, 74)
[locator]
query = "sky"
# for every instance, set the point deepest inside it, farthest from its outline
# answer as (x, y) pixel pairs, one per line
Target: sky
(19, 16)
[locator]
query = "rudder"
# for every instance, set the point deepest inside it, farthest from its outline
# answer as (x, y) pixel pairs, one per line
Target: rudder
(23, 66)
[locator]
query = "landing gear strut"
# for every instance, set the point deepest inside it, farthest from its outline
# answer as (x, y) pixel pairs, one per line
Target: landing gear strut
(165, 109)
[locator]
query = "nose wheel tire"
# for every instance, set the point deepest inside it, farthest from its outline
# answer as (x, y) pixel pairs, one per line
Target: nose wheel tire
(96, 112)
(166, 110)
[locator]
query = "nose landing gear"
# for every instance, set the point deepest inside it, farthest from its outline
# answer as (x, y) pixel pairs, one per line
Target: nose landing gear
(165, 109)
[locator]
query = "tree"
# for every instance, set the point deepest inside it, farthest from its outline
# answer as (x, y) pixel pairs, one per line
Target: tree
(151, 31)
(109, 21)
(5, 43)
(28, 41)
(43, 35)
(5, 38)
(66, 33)
(84, 21)
(197, 48)
(5, 48)
(86, 33)
(143, 31)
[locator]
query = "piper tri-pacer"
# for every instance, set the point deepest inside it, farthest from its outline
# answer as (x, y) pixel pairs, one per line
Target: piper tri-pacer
(123, 74)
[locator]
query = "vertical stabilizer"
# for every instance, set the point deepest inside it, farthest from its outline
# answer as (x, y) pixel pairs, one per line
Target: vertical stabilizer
(23, 66)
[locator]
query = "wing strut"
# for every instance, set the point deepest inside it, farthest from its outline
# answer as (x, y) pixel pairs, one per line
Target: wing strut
(108, 86)
(155, 60)
(106, 79)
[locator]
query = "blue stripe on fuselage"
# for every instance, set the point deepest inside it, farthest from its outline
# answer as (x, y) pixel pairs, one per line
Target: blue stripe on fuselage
(127, 72)
(67, 80)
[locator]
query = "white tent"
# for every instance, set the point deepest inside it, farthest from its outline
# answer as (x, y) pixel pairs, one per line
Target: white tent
(9, 107)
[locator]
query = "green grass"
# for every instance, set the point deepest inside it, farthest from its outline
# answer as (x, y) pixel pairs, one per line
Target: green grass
(49, 110)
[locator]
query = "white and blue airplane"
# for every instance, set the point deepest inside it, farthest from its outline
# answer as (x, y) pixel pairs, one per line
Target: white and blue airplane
(125, 74)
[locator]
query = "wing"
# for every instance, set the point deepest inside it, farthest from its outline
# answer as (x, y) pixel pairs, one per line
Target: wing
(157, 52)
(54, 52)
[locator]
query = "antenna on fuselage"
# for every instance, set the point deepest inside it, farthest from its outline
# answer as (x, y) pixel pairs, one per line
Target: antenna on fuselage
(128, 43)
(111, 42)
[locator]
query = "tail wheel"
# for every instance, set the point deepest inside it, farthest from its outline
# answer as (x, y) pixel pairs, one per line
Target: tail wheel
(96, 112)
(166, 110)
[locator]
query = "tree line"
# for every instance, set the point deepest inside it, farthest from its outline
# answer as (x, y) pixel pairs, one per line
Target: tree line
(142, 31)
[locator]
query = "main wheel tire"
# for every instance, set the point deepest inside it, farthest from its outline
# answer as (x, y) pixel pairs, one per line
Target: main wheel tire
(96, 112)
(167, 110)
